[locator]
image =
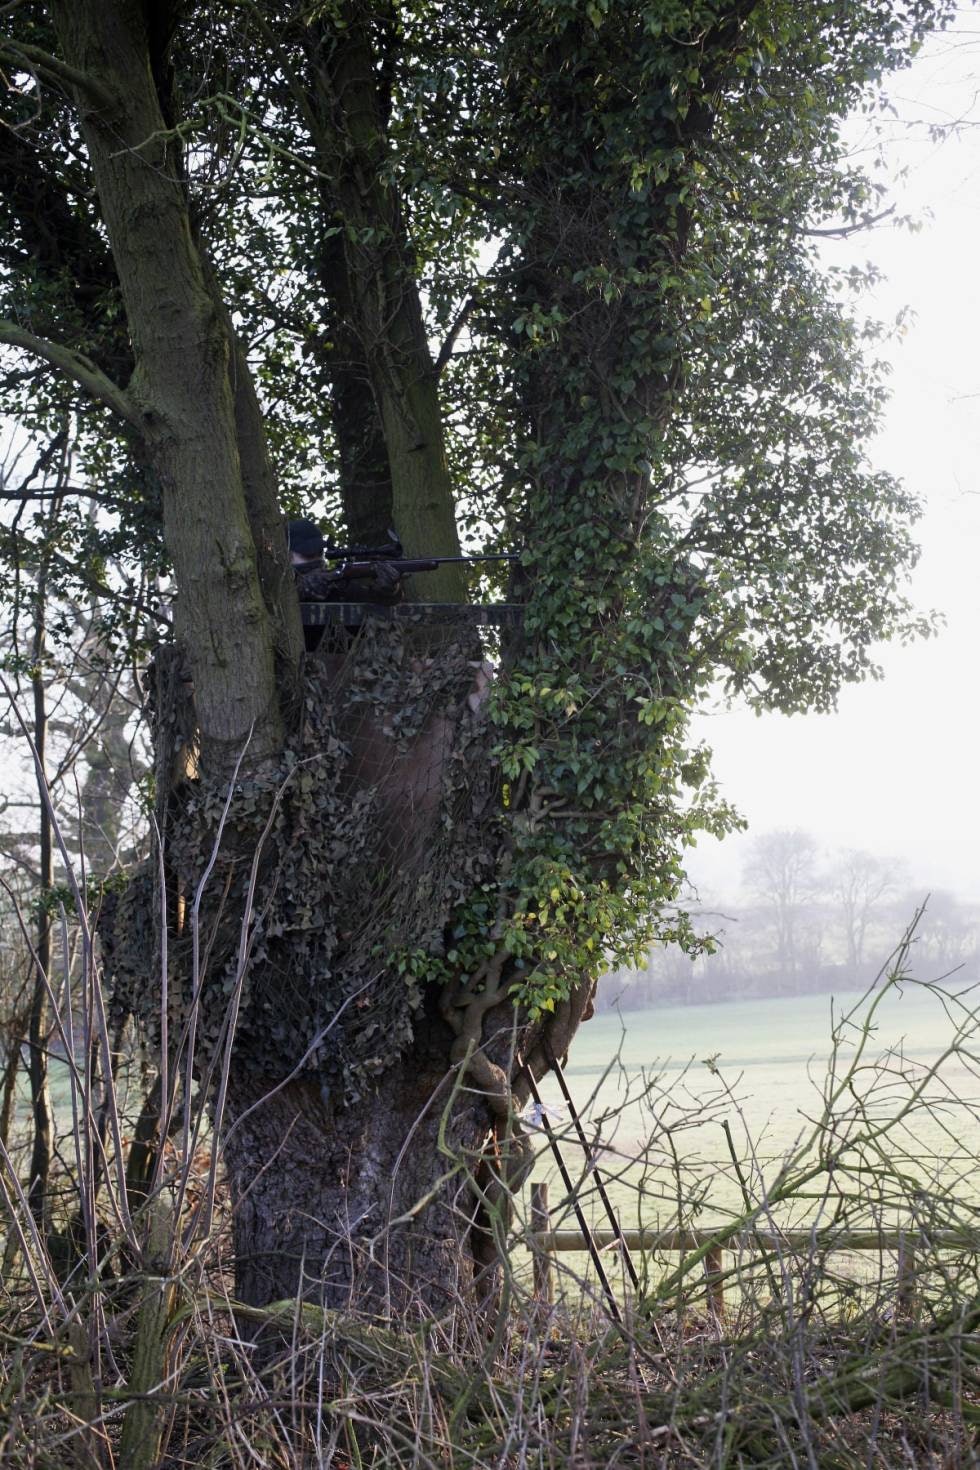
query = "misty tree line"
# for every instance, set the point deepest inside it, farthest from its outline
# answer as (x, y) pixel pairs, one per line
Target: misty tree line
(806, 920)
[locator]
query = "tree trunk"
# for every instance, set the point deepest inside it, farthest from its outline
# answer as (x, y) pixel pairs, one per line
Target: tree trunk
(8, 1087)
(361, 1208)
(363, 858)
(260, 490)
(400, 1202)
(182, 382)
(385, 307)
(365, 474)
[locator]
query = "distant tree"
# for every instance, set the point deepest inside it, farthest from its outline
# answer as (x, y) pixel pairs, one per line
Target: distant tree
(858, 883)
(949, 935)
(782, 874)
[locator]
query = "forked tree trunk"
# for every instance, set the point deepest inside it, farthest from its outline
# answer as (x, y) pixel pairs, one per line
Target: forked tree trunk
(372, 1203)
(381, 291)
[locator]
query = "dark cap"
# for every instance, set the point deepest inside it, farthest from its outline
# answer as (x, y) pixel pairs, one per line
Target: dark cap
(305, 538)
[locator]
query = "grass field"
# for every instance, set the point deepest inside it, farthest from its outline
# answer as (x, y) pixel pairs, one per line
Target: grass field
(772, 1054)
(660, 1086)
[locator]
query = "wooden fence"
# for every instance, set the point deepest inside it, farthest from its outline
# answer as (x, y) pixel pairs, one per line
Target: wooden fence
(544, 1241)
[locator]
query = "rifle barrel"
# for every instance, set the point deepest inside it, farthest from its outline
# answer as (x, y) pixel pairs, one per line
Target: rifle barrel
(363, 554)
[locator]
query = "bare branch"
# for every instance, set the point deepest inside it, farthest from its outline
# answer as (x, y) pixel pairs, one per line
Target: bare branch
(44, 64)
(446, 350)
(74, 365)
(844, 232)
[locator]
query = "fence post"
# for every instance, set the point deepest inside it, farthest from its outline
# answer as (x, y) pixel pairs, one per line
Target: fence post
(544, 1276)
(714, 1263)
(906, 1293)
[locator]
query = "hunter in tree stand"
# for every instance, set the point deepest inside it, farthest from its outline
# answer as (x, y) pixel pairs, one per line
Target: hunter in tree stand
(316, 582)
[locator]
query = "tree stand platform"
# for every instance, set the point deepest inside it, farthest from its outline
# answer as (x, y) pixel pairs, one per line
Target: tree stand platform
(351, 614)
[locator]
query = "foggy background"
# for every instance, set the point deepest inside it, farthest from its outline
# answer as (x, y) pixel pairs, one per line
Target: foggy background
(857, 818)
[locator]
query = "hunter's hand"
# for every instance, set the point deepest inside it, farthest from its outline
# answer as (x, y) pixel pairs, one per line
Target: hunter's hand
(388, 580)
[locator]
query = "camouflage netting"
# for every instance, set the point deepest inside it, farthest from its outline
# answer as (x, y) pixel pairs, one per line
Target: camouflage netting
(381, 817)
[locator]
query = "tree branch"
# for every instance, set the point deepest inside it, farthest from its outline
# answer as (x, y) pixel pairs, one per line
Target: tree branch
(844, 232)
(43, 493)
(446, 350)
(43, 64)
(74, 365)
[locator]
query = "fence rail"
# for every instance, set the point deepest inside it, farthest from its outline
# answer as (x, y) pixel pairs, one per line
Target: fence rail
(545, 1241)
(692, 1240)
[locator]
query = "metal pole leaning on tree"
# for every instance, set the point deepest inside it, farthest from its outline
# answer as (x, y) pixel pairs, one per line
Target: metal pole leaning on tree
(611, 1215)
(566, 1179)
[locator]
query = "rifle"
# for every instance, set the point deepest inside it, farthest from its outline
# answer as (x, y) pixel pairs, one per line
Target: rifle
(350, 571)
(450, 614)
(357, 559)
(359, 562)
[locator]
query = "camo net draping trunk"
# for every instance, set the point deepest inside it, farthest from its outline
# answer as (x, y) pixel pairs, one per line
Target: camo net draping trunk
(299, 900)
(327, 870)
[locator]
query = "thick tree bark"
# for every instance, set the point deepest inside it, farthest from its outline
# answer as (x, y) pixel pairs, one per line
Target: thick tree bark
(266, 525)
(260, 489)
(360, 1209)
(365, 474)
(397, 1203)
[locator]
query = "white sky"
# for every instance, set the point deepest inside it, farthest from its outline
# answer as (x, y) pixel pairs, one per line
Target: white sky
(896, 770)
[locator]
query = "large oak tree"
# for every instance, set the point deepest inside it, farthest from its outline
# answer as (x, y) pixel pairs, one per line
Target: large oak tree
(523, 275)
